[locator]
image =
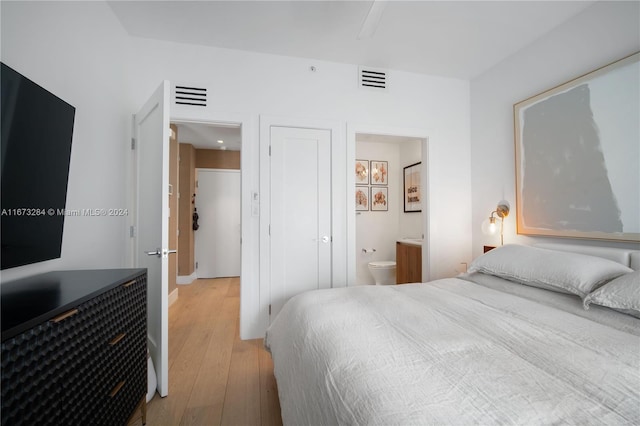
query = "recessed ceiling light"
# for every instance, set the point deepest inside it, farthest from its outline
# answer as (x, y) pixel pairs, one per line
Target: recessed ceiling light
(220, 141)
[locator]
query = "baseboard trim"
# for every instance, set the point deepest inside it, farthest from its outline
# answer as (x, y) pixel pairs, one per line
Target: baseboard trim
(186, 279)
(173, 297)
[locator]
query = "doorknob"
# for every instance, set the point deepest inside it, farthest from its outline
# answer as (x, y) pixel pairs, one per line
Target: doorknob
(324, 239)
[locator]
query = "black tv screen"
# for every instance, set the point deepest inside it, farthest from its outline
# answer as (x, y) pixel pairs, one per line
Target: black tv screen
(37, 128)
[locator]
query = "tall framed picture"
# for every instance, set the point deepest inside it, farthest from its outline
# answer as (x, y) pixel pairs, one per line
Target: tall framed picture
(578, 156)
(362, 172)
(362, 198)
(412, 189)
(379, 198)
(379, 172)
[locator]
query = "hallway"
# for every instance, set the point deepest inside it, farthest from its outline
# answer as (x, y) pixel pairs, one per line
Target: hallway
(214, 377)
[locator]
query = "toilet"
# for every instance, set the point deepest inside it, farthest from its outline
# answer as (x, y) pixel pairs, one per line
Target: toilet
(384, 272)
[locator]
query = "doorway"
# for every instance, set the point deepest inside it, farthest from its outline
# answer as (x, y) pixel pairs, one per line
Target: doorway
(354, 260)
(378, 225)
(205, 147)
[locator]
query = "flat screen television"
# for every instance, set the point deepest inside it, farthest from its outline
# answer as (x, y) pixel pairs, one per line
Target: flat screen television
(36, 132)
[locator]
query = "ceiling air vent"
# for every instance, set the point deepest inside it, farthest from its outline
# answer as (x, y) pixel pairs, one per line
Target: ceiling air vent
(372, 78)
(185, 95)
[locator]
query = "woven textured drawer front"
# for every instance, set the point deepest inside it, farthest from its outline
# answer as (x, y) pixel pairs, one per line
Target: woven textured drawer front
(62, 373)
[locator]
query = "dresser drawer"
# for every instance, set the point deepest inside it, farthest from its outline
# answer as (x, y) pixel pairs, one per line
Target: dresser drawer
(62, 371)
(40, 366)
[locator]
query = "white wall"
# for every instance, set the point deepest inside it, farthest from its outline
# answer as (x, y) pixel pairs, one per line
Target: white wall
(410, 224)
(603, 33)
(75, 50)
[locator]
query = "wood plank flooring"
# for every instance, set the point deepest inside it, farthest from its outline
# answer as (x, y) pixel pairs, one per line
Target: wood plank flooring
(214, 377)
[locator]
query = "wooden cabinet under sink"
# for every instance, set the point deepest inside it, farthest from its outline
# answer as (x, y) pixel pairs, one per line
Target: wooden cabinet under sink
(408, 263)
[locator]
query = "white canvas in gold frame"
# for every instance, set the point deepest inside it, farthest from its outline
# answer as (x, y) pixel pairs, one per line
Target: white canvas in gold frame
(578, 156)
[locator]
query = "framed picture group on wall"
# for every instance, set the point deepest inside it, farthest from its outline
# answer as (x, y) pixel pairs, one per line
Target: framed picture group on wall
(372, 179)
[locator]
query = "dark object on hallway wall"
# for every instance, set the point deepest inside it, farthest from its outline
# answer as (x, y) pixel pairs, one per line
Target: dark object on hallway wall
(196, 217)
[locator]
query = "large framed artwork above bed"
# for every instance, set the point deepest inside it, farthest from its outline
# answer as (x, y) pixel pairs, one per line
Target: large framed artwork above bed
(529, 336)
(578, 156)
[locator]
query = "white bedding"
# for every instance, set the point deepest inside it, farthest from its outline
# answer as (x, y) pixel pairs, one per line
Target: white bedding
(452, 352)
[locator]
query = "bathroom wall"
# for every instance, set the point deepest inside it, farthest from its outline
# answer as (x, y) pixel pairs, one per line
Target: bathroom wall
(409, 224)
(380, 229)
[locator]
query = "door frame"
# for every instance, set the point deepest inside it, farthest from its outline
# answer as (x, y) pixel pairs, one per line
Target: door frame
(249, 185)
(249, 224)
(427, 138)
(338, 202)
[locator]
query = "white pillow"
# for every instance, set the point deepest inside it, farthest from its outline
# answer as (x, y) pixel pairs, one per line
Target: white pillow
(550, 269)
(621, 294)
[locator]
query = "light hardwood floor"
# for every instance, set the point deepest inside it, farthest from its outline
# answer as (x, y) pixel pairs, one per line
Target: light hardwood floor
(214, 377)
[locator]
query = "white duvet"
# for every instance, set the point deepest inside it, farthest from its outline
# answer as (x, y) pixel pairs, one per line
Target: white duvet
(449, 352)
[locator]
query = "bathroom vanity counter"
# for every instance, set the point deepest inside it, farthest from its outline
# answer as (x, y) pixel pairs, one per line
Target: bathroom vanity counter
(408, 261)
(411, 241)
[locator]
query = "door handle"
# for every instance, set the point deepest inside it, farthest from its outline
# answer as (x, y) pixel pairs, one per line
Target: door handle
(324, 239)
(160, 252)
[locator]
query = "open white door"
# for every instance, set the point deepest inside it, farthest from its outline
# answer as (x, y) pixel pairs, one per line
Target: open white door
(152, 223)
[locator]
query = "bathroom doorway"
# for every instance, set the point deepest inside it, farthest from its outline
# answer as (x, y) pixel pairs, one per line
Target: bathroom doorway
(381, 215)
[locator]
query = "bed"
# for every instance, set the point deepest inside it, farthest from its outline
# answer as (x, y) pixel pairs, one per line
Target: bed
(530, 335)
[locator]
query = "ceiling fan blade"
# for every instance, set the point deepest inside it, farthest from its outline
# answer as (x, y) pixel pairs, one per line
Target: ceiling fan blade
(370, 24)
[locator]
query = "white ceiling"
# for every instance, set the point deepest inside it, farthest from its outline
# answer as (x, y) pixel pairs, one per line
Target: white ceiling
(206, 136)
(459, 39)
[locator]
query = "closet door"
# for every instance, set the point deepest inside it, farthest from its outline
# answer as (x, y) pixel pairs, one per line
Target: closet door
(300, 211)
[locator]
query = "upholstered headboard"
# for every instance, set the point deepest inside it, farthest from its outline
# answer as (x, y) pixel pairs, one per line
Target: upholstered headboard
(628, 257)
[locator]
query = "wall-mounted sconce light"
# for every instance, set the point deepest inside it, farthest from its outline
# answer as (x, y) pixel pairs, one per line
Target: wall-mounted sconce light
(490, 226)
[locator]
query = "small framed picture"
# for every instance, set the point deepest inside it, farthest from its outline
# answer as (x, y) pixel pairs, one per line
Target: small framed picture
(379, 172)
(362, 172)
(379, 199)
(362, 198)
(412, 192)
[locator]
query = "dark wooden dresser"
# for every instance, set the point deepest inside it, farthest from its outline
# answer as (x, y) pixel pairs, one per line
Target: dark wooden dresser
(74, 347)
